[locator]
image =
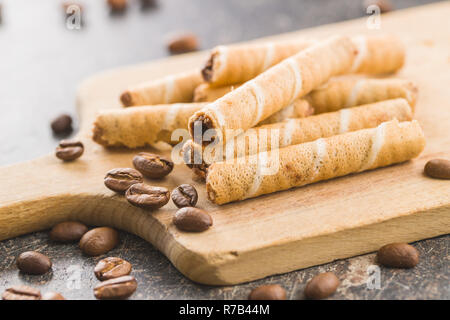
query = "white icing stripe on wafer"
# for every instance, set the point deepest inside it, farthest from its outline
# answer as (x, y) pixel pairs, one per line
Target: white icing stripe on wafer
(361, 44)
(377, 144)
(320, 152)
(171, 115)
(287, 132)
(258, 178)
(298, 77)
(170, 83)
(352, 98)
(260, 100)
(215, 108)
(344, 115)
(223, 58)
(270, 50)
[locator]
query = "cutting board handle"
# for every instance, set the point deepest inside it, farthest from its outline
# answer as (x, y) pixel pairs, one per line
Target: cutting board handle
(40, 193)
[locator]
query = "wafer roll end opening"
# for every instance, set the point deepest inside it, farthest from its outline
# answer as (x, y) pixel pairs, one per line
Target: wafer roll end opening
(126, 99)
(207, 71)
(97, 135)
(206, 123)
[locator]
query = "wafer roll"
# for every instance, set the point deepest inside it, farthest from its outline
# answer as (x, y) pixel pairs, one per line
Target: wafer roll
(338, 93)
(325, 158)
(237, 64)
(170, 89)
(276, 88)
(378, 54)
(296, 131)
(141, 126)
(206, 93)
(347, 92)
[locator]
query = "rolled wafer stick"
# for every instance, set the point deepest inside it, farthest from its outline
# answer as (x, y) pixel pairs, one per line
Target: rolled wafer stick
(141, 126)
(296, 131)
(344, 92)
(302, 164)
(170, 89)
(338, 93)
(378, 54)
(206, 93)
(276, 88)
(237, 64)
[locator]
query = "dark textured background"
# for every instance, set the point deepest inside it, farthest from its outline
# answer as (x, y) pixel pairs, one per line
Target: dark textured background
(41, 64)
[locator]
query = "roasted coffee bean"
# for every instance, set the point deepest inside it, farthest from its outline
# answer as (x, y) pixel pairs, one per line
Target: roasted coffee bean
(99, 241)
(121, 179)
(152, 166)
(192, 219)
(52, 296)
(111, 267)
(438, 168)
(21, 293)
(68, 231)
(184, 195)
(62, 124)
(118, 288)
(32, 262)
(69, 150)
(181, 43)
(147, 197)
(117, 5)
(268, 292)
(321, 286)
(384, 5)
(398, 255)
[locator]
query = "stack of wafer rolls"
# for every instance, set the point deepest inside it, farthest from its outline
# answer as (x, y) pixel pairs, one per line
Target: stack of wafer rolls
(237, 64)
(277, 87)
(170, 89)
(296, 131)
(325, 158)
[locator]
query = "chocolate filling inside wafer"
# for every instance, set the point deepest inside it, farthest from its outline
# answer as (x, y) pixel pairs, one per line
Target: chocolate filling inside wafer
(126, 99)
(207, 71)
(206, 124)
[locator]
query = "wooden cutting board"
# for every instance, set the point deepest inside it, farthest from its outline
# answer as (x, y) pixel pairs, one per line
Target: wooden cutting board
(272, 234)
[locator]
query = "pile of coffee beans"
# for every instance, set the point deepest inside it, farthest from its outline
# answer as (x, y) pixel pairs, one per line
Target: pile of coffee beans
(114, 272)
(130, 182)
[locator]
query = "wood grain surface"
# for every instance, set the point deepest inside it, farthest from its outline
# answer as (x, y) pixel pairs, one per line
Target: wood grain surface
(271, 234)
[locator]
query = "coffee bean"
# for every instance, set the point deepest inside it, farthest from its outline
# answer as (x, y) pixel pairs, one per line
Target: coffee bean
(111, 267)
(321, 286)
(268, 292)
(62, 124)
(121, 179)
(52, 296)
(152, 166)
(181, 43)
(68, 231)
(21, 293)
(384, 5)
(117, 5)
(398, 255)
(69, 150)
(99, 241)
(32, 262)
(184, 195)
(192, 219)
(438, 168)
(147, 197)
(118, 288)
